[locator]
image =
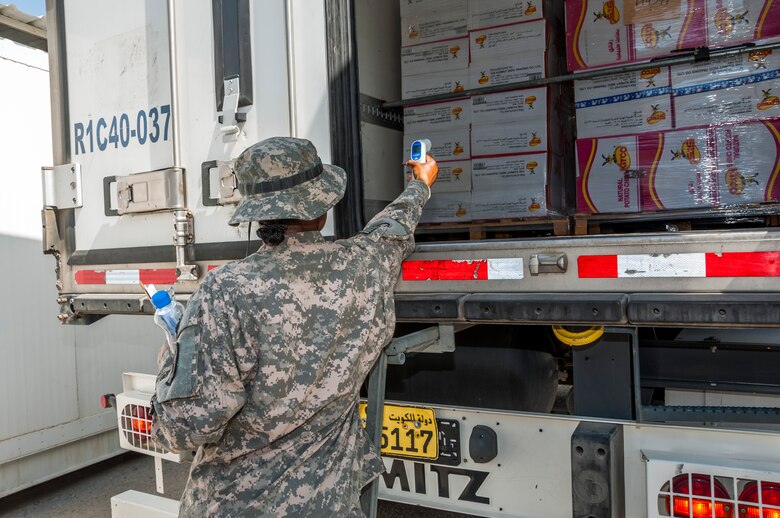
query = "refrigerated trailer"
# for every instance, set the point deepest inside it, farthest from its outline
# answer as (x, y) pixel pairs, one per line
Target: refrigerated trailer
(665, 341)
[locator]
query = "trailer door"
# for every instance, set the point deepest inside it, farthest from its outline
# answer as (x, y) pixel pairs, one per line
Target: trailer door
(157, 98)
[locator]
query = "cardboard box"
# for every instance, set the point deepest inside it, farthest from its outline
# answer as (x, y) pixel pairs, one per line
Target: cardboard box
(439, 56)
(509, 106)
(498, 71)
(509, 187)
(607, 177)
(445, 145)
(510, 39)
(448, 207)
(410, 7)
(522, 136)
(453, 177)
(731, 22)
(490, 13)
(446, 116)
(421, 85)
(727, 90)
(713, 167)
(597, 35)
(498, 68)
(426, 24)
(618, 104)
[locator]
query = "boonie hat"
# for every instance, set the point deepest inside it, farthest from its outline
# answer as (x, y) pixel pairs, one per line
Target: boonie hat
(284, 178)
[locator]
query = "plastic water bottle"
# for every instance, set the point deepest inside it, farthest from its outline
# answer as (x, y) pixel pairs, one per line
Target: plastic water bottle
(167, 315)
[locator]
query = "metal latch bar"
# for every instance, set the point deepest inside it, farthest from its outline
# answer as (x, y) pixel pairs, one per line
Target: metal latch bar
(146, 192)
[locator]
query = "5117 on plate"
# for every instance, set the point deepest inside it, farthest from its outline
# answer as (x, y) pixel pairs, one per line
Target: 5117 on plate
(407, 431)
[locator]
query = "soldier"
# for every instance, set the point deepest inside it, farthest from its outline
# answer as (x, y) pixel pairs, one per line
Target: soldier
(272, 350)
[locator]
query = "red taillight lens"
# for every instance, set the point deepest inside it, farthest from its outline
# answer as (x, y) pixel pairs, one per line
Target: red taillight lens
(142, 421)
(699, 485)
(770, 495)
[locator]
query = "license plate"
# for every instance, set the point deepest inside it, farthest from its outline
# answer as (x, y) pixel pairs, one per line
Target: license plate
(408, 431)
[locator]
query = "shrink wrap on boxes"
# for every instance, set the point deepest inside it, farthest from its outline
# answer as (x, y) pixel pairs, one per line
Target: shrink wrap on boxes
(727, 90)
(732, 165)
(611, 32)
(731, 22)
(625, 103)
(720, 166)
(598, 33)
(607, 179)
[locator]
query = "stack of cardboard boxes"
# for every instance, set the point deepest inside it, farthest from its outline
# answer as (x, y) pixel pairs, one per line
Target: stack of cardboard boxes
(612, 32)
(499, 154)
(691, 136)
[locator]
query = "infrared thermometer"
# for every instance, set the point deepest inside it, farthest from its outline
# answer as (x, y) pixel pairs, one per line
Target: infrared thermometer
(420, 150)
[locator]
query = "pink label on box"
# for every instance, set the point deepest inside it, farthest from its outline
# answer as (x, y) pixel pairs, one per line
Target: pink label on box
(606, 179)
(596, 34)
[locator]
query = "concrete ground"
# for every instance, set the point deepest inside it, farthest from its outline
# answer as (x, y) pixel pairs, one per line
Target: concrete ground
(87, 493)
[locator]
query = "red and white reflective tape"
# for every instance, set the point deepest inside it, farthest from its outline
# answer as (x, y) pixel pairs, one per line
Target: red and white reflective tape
(510, 268)
(692, 265)
(162, 276)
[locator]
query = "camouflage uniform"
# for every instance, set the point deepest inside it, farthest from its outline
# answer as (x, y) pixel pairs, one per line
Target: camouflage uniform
(272, 351)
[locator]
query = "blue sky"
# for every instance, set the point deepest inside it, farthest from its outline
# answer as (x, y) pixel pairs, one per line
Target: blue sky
(34, 7)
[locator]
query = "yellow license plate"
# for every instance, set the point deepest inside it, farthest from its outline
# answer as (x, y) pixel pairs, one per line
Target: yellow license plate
(408, 431)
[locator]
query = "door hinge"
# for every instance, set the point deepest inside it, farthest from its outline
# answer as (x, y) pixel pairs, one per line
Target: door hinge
(62, 186)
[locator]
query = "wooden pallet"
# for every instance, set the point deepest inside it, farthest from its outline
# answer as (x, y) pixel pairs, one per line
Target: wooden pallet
(499, 229)
(678, 220)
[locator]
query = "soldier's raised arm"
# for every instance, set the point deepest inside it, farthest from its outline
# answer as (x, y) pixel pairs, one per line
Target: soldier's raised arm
(390, 234)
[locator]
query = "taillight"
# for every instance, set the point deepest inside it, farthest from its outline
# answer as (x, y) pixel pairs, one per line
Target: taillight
(141, 420)
(770, 495)
(694, 495)
(136, 424)
(686, 505)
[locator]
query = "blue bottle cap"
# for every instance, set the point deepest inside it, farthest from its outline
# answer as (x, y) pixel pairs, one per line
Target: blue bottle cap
(161, 299)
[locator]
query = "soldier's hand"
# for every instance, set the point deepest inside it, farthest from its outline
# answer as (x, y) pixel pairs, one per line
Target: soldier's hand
(427, 172)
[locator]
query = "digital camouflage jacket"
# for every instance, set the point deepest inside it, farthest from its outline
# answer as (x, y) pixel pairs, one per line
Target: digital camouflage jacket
(272, 351)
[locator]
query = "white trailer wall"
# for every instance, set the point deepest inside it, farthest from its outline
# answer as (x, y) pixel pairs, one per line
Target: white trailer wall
(51, 376)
